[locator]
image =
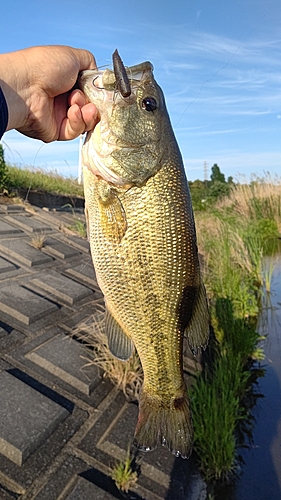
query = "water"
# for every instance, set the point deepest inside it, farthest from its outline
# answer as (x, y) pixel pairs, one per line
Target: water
(261, 478)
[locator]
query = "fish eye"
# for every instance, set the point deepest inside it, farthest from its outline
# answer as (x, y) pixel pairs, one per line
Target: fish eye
(149, 104)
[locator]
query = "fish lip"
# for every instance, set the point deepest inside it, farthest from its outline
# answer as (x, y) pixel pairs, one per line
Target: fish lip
(108, 78)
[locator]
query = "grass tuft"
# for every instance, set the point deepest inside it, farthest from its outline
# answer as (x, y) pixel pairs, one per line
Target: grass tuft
(126, 375)
(123, 475)
(38, 240)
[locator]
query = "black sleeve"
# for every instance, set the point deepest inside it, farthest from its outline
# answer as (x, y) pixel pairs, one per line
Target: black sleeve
(3, 113)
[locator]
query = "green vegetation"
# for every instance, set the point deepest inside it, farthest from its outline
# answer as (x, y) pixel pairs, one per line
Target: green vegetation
(205, 194)
(79, 227)
(123, 474)
(15, 179)
(3, 171)
(234, 236)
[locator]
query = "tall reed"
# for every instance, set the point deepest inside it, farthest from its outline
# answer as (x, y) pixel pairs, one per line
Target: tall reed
(232, 241)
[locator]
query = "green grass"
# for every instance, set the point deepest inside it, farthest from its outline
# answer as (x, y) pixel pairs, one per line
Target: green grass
(233, 239)
(215, 405)
(123, 474)
(30, 178)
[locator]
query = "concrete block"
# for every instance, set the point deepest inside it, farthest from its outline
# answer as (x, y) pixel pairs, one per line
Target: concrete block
(108, 440)
(27, 418)
(65, 358)
(20, 250)
(6, 266)
(74, 476)
(84, 490)
(60, 250)
(6, 228)
(24, 305)
(62, 288)
(29, 223)
(9, 338)
(2, 332)
(83, 272)
(6, 208)
(81, 244)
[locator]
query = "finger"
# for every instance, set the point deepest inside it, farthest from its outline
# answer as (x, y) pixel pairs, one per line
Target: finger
(77, 97)
(74, 124)
(85, 58)
(90, 116)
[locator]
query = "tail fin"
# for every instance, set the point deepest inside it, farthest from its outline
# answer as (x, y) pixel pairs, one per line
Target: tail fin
(167, 424)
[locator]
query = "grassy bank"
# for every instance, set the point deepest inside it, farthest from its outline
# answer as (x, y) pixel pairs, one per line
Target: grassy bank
(233, 237)
(36, 179)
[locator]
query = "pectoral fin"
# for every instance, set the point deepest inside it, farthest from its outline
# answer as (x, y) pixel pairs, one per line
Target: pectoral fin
(112, 215)
(197, 330)
(120, 345)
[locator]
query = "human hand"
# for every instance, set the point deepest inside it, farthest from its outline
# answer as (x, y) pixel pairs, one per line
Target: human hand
(37, 85)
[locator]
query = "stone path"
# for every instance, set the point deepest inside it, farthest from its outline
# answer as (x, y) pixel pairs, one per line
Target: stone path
(62, 425)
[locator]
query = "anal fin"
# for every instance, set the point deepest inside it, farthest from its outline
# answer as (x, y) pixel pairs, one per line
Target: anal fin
(197, 330)
(119, 344)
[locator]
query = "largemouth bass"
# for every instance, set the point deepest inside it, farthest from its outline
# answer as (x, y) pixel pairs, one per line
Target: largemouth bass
(143, 243)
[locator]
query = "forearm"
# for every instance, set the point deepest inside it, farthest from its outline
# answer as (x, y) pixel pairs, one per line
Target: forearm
(3, 113)
(14, 83)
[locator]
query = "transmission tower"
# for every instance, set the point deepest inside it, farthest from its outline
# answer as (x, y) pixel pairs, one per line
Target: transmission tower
(206, 170)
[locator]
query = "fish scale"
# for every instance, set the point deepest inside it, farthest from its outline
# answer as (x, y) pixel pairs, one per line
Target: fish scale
(143, 244)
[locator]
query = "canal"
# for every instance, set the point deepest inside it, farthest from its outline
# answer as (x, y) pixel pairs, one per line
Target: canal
(261, 477)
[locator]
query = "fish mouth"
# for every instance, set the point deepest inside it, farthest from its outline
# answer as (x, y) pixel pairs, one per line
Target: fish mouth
(121, 82)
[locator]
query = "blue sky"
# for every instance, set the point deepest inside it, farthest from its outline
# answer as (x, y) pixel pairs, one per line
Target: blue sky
(218, 63)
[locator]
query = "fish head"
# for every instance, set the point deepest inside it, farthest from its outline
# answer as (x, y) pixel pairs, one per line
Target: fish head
(127, 145)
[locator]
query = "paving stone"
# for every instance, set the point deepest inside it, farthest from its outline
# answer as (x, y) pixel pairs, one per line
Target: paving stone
(5, 208)
(84, 490)
(18, 478)
(98, 393)
(9, 338)
(24, 253)
(65, 358)
(62, 288)
(6, 228)
(24, 305)
(27, 418)
(5, 495)
(74, 478)
(29, 223)
(83, 272)
(2, 332)
(108, 440)
(6, 266)
(87, 315)
(4, 365)
(81, 243)
(60, 250)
